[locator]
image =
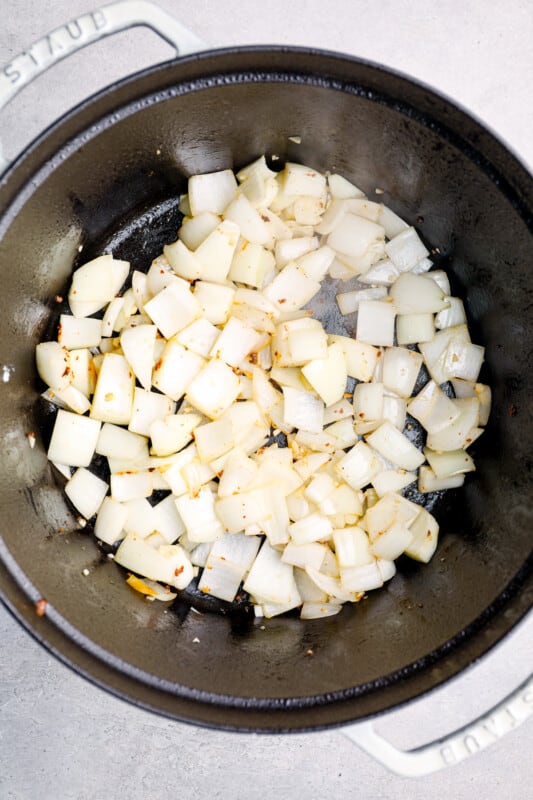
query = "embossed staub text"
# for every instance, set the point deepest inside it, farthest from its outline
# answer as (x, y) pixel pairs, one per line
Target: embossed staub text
(50, 48)
(477, 737)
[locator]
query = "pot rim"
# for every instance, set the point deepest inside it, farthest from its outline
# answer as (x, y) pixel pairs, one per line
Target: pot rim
(74, 651)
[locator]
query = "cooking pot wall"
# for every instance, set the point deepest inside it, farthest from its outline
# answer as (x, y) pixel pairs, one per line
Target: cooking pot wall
(140, 157)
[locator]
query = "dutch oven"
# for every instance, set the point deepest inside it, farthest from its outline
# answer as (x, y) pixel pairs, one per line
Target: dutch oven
(107, 176)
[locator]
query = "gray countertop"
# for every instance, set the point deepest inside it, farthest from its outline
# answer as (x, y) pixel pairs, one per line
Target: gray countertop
(62, 738)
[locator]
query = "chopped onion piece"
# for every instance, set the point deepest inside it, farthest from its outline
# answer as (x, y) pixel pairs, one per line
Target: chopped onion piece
(352, 548)
(54, 365)
(118, 442)
(288, 250)
(435, 350)
(270, 580)
(342, 188)
(303, 410)
(441, 279)
(344, 432)
(400, 370)
(212, 191)
(214, 439)
(416, 294)
(148, 407)
(386, 568)
(172, 433)
(313, 528)
(331, 586)
(361, 579)
(198, 515)
(74, 439)
(251, 264)
(392, 223)
(339, 271)
(238, 473)
(229, 560)
(394, 410)
(452, 462)
(382, 273)
(303, 555)
(86, 491)
(95, 284)
(455, 434)
(234, 343)
(167, 521)
(83, 372)
(357, 238)
(195, 229)
(392, 480)
(414, 328)
(131, 485)
(406, 249)
(316, 263)
(114, 317)
(298, 179)
(368, 401)
(483, 393)
(76, 333)
(428, 481)
(319, 610)
(454, 314)
(299, 341)
(291, 288)
(358, 466)
(138, 346)
(307, 588)
(214, 389)
(363, 207)
(423, 266)
(328, 375)
(361, 358)
(433, 408)
(338, 411)
(389, 510)
(395, 447)
(169, 563)
(375, 322)
(214, 300)
(258, 167)
(110, 521)
(390, 544)
(243, 214)
(172, 309)
(70, 398)
(463, 360)
(425, 530)
(349, 301)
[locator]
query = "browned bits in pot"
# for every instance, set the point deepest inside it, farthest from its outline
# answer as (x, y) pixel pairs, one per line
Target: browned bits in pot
(40, 607)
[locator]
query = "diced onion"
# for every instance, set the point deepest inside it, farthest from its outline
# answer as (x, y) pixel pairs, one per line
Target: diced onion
(193, 367)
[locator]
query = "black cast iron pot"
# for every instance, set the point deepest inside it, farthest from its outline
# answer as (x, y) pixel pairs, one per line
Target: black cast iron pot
(107, 175)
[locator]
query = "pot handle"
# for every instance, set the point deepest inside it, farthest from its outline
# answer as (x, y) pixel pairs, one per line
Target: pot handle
(84, 30)
(451, 749)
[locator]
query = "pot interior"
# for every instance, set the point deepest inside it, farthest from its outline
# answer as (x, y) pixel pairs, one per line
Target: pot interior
(110, 176)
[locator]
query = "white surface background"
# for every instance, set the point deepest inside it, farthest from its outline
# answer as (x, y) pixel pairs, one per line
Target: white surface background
(61, 738)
